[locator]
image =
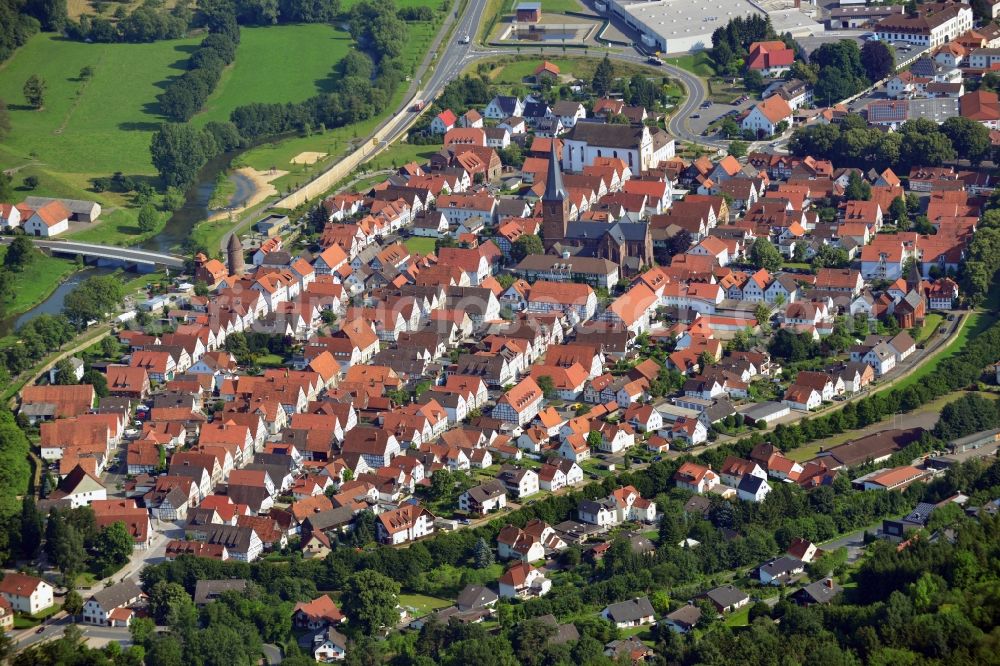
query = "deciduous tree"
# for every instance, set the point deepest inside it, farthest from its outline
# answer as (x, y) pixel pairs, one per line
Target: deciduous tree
(969, 138)
(878, 59)
(34, 91)
(370, 600)
(20, 253)
(763, 254)
(525, 245)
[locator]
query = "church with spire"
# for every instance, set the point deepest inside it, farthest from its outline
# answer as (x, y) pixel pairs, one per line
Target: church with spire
(627, 243)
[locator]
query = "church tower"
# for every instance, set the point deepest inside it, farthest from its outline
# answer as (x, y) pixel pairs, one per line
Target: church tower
(237, 265)
(914, 281)
(555, 204)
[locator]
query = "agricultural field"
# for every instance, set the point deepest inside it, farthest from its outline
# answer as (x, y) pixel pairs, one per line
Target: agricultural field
(260, 74)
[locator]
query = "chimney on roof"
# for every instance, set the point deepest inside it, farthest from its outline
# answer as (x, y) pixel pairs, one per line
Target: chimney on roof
(829, 583)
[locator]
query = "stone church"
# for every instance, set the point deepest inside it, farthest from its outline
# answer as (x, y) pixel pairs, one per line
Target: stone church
(626, 243)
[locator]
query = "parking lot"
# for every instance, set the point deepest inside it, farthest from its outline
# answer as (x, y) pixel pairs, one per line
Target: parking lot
(707, 115)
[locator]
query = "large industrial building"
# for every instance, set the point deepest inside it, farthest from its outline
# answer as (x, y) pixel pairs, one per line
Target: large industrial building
(683, 26)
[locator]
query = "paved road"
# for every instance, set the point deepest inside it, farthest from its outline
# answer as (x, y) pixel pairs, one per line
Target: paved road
(272, 653)
(163, 531)
(96, 636)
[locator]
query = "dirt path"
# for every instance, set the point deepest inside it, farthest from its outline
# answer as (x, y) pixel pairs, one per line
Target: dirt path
(78, 345)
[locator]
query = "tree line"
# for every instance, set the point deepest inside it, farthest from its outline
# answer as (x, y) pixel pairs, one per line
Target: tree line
(144, 24)
(187, 93)
(18, 24)
(919, 142)
(150, 23)
(979, 269)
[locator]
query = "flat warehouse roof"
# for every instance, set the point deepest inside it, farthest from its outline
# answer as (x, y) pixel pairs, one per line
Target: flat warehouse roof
(675, 19)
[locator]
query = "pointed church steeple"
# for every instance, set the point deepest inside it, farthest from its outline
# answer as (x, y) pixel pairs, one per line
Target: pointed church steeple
(555, 202)
(914, 279)
(554, 189)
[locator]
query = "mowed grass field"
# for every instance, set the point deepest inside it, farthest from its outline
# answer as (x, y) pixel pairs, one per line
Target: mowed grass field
(277, 64)
(336, 142)
(89, 128)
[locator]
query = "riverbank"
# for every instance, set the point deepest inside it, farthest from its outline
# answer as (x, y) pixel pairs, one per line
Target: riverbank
(34, 284)
(211, 232)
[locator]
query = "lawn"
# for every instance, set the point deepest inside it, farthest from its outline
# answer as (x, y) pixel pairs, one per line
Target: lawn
(555, 6)
(36, 282)
(931, 323)
(25, 622)
(142, 282)
(699, 64)
(740, 618)
(261, 74)
(118, 227)
(336, 143)
(420, 604)
(420, 244)
(269, 361)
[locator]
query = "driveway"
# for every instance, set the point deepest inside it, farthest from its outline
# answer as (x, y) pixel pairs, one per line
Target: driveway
(272, 653)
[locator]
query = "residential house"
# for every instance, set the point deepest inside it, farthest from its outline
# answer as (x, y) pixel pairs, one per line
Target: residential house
(106, 605)
(632, 613)
(406, 523)
(26, 594)
(523, 581)
(484, 498)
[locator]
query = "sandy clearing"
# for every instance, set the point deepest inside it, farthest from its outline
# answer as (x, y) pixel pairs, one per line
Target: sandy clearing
(308, 157)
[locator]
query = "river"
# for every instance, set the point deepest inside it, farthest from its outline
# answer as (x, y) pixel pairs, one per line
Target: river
(175, 232)
(178, 228)
(54, 303)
